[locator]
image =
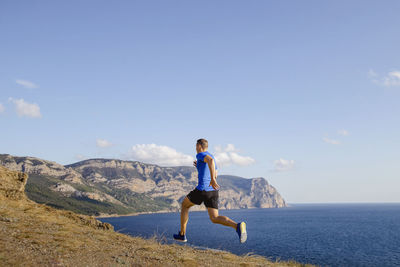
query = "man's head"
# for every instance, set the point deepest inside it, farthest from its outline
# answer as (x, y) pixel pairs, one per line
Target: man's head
(201, 145)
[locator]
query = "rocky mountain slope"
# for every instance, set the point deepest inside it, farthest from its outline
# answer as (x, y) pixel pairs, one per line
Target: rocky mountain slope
(111, 186)
(33, 234)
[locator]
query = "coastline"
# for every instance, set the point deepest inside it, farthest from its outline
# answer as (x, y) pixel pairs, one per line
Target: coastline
(106, 215)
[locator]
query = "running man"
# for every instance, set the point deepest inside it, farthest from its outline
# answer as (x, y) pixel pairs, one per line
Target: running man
(207, 191)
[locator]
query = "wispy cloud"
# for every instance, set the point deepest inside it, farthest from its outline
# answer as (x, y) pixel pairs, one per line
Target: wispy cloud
(282, 165)
(160, 155)
(27, 84)
(343, 132)
(26, 109)
(230, 155)
(103, 143)
(2, 108)
(390, 79)
(331, 141)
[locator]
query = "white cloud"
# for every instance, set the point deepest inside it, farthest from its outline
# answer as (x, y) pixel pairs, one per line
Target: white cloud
(160, 155)
(2, 108)
(229, 155)
(331, 141)
(282, 165)
(26, 84)
(391, 79)
(343, 132)
(103, 143)
(24, 108)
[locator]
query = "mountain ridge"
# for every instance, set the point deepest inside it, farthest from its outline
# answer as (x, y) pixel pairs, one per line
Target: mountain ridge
(103, 186)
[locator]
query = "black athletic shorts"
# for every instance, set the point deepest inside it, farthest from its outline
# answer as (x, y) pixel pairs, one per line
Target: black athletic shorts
(210, 198)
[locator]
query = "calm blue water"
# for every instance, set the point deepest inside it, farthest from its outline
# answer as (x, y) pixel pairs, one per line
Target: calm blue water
(323, 234)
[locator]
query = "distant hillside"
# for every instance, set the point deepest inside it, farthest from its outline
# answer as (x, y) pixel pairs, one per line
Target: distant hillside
(34, 234)
(110, 186)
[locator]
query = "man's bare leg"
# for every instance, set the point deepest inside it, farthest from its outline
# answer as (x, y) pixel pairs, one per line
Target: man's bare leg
(186, 204)
(215, 218)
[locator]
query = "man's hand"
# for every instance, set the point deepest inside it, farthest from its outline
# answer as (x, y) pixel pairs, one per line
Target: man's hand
(195, 163)
(214, 184)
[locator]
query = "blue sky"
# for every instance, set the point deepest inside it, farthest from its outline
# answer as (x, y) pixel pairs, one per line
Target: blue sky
(303, 93)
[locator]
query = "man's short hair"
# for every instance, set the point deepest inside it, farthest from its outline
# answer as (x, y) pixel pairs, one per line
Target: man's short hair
(203, 143)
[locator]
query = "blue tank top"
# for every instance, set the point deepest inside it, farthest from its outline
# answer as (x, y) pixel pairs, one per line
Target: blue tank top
(204, 171)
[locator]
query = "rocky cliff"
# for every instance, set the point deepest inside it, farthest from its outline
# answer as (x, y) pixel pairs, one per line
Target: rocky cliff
(12, 184)
(111, 186)
(12, 190)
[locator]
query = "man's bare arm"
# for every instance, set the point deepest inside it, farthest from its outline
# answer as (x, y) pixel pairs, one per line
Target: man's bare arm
(213, 173)
(211, 166)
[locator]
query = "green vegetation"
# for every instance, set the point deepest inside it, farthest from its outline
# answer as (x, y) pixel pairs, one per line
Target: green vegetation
(140, 201)
(37, 189)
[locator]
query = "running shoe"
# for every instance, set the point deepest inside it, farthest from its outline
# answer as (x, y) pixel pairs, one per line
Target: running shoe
(179, 237)
(241, 231)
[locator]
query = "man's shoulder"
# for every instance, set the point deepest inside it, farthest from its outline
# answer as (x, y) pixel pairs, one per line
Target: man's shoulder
(204, 153)
(211, 155)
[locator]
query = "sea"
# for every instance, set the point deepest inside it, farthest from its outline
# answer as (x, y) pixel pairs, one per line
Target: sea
(320, 234)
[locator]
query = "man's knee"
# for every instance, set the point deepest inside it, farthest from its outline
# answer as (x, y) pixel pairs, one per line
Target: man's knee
(186, 203)
(183, 205)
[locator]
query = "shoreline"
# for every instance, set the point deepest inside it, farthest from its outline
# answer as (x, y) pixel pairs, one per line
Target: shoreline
(131, 214)
(137, 213)
(105, 215)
